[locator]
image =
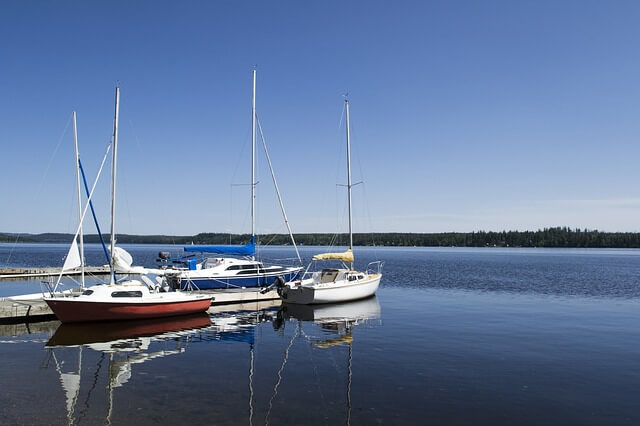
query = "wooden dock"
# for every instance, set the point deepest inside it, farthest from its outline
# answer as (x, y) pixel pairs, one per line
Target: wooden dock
(28, 311)
(24, 311)
(239, 295)
(26, 273)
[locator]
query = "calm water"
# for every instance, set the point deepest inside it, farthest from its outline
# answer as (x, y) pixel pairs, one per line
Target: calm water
(454, 336)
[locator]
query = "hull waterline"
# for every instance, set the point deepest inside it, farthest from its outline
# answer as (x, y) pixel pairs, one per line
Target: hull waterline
(214, 283)
(71, 310)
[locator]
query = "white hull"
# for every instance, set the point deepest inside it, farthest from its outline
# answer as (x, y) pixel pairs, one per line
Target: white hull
(309, 293)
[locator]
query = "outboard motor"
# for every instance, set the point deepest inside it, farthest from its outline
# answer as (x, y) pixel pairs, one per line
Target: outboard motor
(278, 284)
(163, 258)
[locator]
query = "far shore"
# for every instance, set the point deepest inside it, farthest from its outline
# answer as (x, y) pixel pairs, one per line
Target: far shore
(559, 237)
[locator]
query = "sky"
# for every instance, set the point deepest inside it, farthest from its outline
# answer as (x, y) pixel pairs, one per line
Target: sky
(465, 115)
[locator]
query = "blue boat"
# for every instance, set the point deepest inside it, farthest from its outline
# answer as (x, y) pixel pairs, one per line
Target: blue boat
(235, 266)
(223, 272)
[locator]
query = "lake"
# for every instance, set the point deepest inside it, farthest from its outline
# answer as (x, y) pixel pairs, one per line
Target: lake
(454, 336)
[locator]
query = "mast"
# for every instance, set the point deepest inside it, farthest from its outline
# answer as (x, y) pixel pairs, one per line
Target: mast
(113, 186)
(84, 212)
(77, 158)
(253, 157)
(346, 102)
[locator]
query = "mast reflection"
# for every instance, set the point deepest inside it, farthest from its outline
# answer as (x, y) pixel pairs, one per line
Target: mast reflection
(125, 344)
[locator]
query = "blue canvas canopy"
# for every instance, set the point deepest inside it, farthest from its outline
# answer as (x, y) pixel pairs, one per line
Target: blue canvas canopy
(248, 249)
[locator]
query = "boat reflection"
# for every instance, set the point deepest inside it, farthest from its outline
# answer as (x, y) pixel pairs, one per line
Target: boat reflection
(340, 317)
(337, 323)
(93, 361)
(238, 322)
(126, 343)
(74, 334)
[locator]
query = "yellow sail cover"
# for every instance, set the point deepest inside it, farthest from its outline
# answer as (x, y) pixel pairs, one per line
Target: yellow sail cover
(347, 256)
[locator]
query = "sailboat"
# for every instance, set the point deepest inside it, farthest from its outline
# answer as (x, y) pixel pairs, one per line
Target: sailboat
(125, 299)
(236, 266)
(335, 285)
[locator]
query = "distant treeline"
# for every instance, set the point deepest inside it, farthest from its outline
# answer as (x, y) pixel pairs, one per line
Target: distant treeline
(548, 237)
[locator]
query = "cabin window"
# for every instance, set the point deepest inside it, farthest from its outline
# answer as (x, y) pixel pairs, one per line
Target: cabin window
(87, 292)
(126, 294)
(352, 277)
(247, 272)
(238, 267)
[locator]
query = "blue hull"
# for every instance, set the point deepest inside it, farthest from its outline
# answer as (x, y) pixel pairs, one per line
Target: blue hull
(253, 281)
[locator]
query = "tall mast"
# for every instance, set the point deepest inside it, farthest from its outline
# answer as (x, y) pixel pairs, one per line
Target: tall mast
(75, 145)
(346, 102)
(253, 157)
(113, 186)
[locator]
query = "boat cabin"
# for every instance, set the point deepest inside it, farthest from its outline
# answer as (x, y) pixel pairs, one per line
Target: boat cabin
(329, 275)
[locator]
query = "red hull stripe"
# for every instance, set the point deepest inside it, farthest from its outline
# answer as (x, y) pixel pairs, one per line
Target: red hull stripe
(76, 311)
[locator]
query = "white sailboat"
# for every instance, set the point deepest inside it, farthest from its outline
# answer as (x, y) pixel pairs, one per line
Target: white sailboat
(335, 285)
(234, 266)
(125, 299)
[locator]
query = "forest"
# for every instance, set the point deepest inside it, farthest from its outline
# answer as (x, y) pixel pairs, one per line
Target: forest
(547, 237)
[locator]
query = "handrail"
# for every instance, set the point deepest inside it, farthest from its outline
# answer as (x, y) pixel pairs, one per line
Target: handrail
(378, 264)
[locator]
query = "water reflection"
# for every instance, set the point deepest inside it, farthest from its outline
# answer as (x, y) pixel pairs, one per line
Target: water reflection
(337, 323)
(125, 343)
(92, 363)
(110, 336)
(337, 315)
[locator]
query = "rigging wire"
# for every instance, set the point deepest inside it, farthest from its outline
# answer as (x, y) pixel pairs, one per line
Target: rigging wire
(315, 373)
(251, 386)
(41, 184)
(367, 207)
(284, 362)
(275, 184)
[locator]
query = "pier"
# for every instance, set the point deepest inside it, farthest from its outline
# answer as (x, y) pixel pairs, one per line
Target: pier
(24, 311)
(26, 273)
(28, 311)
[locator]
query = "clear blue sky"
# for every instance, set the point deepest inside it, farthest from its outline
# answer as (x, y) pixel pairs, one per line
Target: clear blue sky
(466, 115)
